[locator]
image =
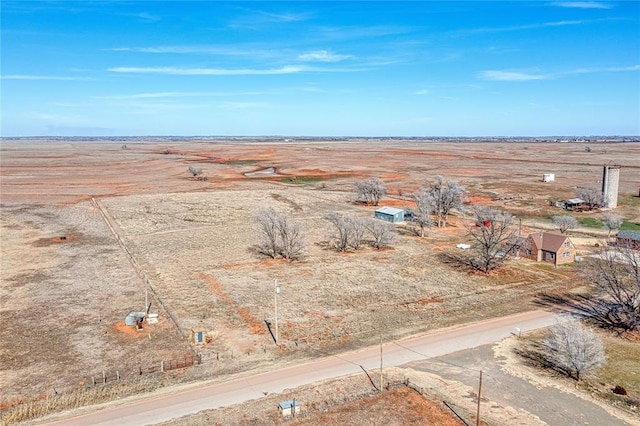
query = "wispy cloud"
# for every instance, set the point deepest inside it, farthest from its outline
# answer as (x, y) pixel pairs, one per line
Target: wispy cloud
(523, 27)
(147, 17)
(511, 76)
(422, 92)
(322, 56)
(257, 19)
(582, 4)
(235, 50)
(206, 71)
(42, 77)
(164, 95)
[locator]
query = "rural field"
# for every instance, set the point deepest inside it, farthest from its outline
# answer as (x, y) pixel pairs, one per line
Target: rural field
(90, 230)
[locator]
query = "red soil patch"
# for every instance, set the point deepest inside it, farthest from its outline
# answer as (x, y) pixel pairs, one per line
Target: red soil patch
(254, 325)
(397, 203)
(478, 200)
(131, 331)
(393, 176)
(399, 407)
(62, 239)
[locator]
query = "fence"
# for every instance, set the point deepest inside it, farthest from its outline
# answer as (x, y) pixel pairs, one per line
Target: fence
(161, 366)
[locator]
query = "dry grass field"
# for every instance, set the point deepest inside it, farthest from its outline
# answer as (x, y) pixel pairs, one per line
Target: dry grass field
(63, 300)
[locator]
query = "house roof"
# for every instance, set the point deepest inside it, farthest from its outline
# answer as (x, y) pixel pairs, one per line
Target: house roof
(628, 234)
(548, 241)
(575, 201)
(389, 210)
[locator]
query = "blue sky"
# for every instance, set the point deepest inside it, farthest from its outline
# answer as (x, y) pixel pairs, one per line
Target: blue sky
(419, 68)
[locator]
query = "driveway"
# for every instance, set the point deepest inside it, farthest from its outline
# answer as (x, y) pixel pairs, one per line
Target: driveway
(551, 405)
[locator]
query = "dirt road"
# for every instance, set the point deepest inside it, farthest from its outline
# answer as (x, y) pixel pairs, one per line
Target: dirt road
(155, 409)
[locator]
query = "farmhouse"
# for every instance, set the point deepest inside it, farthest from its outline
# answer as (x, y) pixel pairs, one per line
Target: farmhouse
(552, 247)
(628, 238)
(390, 214)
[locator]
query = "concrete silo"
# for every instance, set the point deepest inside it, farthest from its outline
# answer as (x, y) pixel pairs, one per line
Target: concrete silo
(610, 179)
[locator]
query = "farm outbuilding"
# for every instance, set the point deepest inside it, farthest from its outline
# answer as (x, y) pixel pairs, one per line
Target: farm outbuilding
(548, 177)
(198, 336)
(390, 214)
(628, 238)
(289, 408)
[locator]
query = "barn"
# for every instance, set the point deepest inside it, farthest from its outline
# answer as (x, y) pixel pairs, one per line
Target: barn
(390, 214)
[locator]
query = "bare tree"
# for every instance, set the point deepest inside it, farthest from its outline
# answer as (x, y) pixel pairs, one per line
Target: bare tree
(615, 271)
(565, 222)
(370, 191)
(494, 238)
(612, 222)
(279, 235)
(348, 231)
(446, 196)
(592, 197)
(573, 348)
(382, 233)
(267, 221)
(424, 208)
(291, 238)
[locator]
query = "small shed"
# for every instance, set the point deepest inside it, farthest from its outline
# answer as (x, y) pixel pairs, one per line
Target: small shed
(289, 408)
(390, 214)
(548, 177)
(572, 204)
(628, 238)
(134, 318)
(198, 336)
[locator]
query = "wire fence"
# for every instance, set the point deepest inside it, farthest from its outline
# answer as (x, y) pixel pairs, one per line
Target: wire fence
(155, 367)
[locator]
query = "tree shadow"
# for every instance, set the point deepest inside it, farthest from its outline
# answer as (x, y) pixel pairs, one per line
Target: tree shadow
(534, 355)
(595, 309)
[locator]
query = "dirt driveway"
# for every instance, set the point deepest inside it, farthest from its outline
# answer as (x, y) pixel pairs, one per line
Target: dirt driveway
(549, 404)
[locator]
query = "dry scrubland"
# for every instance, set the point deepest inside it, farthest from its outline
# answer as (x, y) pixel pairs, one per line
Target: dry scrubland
(63, 301)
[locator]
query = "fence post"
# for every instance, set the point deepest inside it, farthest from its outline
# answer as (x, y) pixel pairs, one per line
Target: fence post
(93, 380)
(117, 375)
(162, 366)
(104, 377)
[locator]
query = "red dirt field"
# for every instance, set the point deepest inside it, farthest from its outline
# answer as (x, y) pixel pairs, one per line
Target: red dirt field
(133, 215)
(400, 407)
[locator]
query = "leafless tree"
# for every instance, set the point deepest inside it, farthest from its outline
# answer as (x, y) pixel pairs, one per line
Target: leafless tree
(592, 197)
(291, 238)
(494, 238)
(445, 196)
(267, 221)
(423, 211)
(279, 235)
(382, 233)
(348, 231)
(370, 191)
(565, 222)
(615, 271)
(612, 222)
(573, 348)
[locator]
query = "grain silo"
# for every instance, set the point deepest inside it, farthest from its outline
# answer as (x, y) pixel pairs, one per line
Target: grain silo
(610, 179)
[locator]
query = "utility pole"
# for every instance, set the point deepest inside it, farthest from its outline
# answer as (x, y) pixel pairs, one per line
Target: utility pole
(479, 396)
(381, 378)
(277, 290)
